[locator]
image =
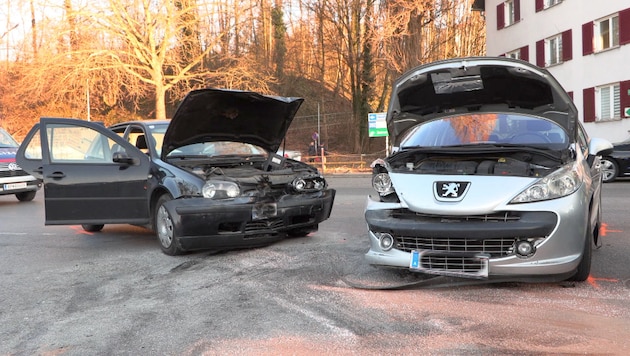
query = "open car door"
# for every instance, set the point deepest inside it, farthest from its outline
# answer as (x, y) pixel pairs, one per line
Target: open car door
(90, 174)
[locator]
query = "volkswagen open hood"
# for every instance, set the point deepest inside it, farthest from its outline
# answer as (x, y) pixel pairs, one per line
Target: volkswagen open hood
(477, 85)
(230, 115)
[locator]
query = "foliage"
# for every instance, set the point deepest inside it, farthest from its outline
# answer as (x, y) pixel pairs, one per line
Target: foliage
(120, 59)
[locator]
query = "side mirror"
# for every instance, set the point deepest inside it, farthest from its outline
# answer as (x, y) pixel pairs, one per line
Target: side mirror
(599, 147)
(123, 158)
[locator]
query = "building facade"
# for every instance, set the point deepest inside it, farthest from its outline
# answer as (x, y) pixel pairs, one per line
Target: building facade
(585, 44)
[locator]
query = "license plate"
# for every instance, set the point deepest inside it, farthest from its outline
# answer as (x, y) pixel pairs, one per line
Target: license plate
(264, 211)
(415, 259)
(13, 186)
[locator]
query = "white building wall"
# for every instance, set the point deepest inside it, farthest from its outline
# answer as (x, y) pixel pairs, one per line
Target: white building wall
(581, 71)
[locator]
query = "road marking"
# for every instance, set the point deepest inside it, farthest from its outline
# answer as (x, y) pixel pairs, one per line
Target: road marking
(603, 230)
(79, 230)
(593, 281)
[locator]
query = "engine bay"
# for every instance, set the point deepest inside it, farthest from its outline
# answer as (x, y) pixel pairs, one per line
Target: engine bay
(522, 164)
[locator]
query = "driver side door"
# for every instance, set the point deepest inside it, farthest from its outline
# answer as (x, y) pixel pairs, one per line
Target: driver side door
(90, 174)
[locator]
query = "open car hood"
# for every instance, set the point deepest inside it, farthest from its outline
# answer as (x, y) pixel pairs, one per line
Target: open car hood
(477, 85)
(208, 115)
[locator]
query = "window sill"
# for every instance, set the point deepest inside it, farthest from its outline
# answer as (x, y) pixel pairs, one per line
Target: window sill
(608, 120)
(605, 50)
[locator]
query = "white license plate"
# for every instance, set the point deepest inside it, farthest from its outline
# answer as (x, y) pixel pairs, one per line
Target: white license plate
(13, 186)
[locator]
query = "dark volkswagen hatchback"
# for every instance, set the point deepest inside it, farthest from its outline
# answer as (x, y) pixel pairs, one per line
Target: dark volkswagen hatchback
(209, 178)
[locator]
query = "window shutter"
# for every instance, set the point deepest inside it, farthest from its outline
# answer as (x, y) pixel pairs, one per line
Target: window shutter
(570, 94)
(567, 46)
(540, 53)
(589, 104)
(525, 53)
(500, 16)
(624, 26)
(624, 98)
(587, 38)
(517, 11)
(540, 5)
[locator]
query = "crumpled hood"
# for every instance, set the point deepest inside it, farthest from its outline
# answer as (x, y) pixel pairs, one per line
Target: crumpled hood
(477, 85)
(230, 115)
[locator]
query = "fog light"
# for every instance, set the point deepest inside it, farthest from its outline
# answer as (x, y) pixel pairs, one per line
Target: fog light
(524, 248)
(387, 241)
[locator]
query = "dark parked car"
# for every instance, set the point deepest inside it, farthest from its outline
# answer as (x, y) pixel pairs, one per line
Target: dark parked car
(208, 179)
(492, 176)
(617, 164)
(13, 179)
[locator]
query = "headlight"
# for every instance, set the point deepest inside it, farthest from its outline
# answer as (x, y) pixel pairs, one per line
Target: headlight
(308, 184)
(382, 183)
(220, 190)
(558, 184)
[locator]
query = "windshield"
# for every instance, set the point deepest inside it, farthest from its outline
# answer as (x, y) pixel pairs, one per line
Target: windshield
(6, 140)
(488, 128)
(218, 149)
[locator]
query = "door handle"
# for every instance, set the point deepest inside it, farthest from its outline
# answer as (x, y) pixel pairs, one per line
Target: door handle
(56, 175)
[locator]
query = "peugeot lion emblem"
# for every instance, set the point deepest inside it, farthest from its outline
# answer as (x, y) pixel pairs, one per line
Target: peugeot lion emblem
(450, 191)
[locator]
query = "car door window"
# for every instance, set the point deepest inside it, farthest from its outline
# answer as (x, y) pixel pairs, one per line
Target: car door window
(73, 144)
(34, 149)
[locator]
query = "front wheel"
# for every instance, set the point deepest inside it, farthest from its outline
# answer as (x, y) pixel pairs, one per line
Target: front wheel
(164, 228)
(610, 170)
(584, 268)
(26, 196)
(92, 228)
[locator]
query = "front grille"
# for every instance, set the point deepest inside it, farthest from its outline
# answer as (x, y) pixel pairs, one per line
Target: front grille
(495, 247)
(454, 265)
(8, 173)
(260, 225)
(504, 216)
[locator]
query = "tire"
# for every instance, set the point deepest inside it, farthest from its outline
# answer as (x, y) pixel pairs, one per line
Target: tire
(26, 196)
(609, 169)
(303, 231)
(584, 268)
(92, 228)
(164, 228)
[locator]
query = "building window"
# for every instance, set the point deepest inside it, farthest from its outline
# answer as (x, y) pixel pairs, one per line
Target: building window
(606, 33)
(550, 3)
(553, 50)
(607, 102)
(514, 54)
(509, 13)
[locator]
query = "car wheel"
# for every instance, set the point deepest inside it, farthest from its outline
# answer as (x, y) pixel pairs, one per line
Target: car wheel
(26, 196)
(164, 228)
(609, 170)
(584, 268)
(92, 228)
(302, 231)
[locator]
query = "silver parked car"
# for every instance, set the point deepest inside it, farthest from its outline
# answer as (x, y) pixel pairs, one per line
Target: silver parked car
(492, 176)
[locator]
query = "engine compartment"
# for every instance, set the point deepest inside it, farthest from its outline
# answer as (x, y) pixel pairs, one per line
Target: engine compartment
(522, 164)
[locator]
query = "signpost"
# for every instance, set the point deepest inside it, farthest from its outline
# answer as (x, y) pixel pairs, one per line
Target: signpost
(377, 127)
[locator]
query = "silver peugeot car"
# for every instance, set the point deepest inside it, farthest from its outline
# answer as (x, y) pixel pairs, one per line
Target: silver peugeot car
(490, 176)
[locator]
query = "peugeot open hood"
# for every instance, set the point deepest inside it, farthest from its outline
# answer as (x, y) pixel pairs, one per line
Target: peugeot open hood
(477, 85)
(230, 115)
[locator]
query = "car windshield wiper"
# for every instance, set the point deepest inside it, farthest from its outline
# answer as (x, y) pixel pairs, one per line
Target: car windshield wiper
(487, 148)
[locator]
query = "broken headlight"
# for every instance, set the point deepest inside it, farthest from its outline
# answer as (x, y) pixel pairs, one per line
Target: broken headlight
(220, 190)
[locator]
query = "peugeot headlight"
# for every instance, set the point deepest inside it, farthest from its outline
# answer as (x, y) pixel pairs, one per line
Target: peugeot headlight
(382, 183)
(308, 184)
(558, 184)
(220, 190)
